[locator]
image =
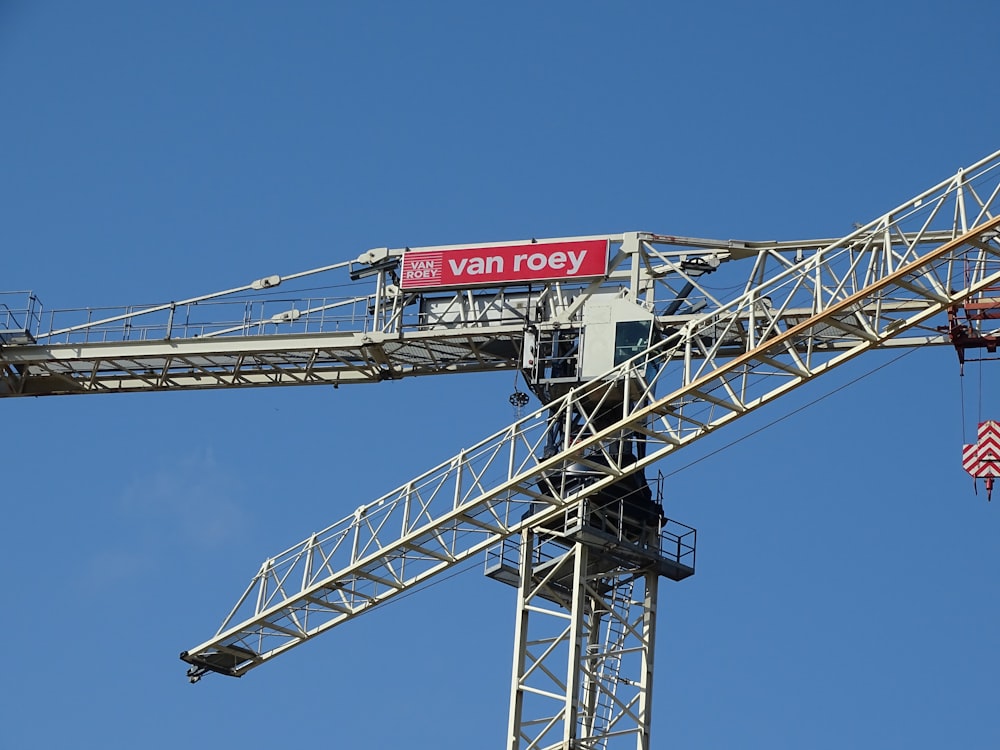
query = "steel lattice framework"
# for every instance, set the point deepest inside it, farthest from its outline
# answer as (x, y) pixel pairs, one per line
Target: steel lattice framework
(804, 308)
(251, 336)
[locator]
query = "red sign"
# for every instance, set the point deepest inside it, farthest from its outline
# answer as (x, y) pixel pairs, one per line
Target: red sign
(504, 264)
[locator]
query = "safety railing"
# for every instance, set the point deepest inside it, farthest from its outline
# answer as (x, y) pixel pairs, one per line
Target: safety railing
(249, 317)
(669, 539)
(20, 316)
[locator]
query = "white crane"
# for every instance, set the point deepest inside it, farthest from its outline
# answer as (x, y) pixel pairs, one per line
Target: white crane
(632, 356)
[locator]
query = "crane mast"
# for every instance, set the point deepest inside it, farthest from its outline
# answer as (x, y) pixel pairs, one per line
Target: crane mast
(630, 364)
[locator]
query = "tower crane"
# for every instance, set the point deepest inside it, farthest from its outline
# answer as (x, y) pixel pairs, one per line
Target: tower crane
(632, 354)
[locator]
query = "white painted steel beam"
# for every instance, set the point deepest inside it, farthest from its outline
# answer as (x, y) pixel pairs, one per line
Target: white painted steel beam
(481, 496)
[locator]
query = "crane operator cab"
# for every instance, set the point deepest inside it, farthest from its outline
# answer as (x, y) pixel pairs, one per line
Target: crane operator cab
(612, 330)
(609, 330)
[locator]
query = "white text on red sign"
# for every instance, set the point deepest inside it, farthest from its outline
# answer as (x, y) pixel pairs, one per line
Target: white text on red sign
(479, 266)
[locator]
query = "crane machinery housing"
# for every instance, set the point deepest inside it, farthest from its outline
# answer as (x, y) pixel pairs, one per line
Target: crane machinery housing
(632, 356)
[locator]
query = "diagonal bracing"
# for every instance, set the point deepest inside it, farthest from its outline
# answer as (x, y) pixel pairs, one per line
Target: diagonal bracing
(849, 297)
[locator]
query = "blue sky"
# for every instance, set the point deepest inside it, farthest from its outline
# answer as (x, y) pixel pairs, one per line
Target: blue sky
(846, 591)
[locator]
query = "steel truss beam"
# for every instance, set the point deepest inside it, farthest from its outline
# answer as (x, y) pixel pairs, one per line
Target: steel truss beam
(863, 291)
(202, 363)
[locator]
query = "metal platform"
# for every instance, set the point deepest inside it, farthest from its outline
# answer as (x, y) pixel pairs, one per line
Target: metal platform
(19, 314)
(615, 543)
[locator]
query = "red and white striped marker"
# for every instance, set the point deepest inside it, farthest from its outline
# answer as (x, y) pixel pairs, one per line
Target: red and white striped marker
(982, 459)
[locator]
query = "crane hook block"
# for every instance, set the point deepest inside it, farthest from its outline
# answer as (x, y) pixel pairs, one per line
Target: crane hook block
(982, 458)
(267, 282)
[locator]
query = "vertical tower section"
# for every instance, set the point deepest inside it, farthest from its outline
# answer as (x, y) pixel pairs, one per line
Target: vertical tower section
(588, 577)
(585, 628)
